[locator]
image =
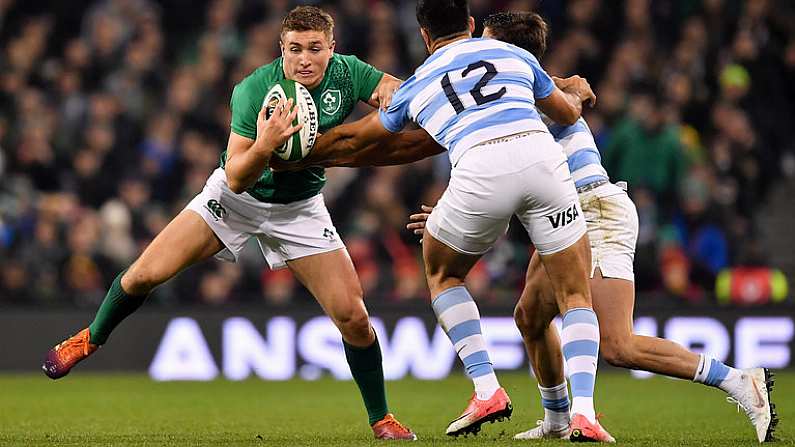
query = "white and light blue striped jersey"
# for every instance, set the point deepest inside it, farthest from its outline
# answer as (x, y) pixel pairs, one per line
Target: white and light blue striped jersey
(585, 162)
(471, 91)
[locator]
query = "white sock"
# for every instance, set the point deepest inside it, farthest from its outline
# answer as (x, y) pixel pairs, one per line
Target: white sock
(459, 317)
(555, 401)
(713, 372)
(580, 341)
(583, 405)
(486, 386)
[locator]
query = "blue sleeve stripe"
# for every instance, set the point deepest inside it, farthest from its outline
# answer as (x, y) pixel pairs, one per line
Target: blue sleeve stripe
(391, 120)
(584, 157)
(542, 83)
(560, 132)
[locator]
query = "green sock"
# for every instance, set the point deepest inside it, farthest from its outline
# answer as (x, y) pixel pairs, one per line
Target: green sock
(368, 373)
(116, 306)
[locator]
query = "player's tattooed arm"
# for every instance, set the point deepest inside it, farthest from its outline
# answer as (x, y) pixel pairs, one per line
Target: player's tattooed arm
(399, 149)
(246, 158)
(564, 105)
(347, 140)
(396, 149)
(382, 95)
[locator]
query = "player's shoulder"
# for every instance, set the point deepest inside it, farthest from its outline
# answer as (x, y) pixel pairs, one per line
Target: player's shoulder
(349, 63)
(521, 52)
(346, 59)
(476, 48)
(262, 78)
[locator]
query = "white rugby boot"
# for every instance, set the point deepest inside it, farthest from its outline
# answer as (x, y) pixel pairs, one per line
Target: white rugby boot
(542, 431)
(752, 394)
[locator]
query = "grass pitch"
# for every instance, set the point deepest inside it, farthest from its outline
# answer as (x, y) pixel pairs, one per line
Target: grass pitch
(120, 410)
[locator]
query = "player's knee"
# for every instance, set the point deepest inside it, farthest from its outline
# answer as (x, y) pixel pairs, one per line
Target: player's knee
(617, 353)
(523, 321)
(530, 326)
(354, 325)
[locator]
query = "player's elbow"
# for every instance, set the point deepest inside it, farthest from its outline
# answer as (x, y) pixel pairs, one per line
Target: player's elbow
(235, 184)
(237, 187)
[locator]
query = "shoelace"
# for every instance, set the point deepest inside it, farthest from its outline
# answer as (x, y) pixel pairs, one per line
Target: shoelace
(396, 423)
(599, 416)
(734, 401)
(81, 343)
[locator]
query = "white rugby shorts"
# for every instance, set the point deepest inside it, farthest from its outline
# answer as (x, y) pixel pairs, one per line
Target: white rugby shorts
(524, 174)
(613, 230)
(284, 231)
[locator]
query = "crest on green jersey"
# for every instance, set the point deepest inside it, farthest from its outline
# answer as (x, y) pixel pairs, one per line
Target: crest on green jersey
(330, 101)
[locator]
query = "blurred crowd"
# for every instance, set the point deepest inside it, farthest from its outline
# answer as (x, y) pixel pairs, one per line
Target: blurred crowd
(113, 113)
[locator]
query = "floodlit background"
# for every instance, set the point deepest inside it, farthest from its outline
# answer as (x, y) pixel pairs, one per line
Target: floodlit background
(114, 112)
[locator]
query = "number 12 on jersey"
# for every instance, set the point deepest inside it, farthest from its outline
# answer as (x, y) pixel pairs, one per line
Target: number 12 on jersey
(477, 94)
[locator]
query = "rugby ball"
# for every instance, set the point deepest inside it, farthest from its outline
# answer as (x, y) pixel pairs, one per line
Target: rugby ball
(300, 143)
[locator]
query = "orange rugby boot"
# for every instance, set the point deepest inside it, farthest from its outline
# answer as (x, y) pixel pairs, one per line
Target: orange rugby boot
(478, 412)
(583, 430)
(390, 428)
(64, 356)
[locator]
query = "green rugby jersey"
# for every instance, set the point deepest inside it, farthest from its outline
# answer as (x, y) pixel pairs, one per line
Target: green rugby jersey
(347, 80)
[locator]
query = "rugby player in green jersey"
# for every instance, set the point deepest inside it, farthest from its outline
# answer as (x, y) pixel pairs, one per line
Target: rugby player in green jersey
(284, 211)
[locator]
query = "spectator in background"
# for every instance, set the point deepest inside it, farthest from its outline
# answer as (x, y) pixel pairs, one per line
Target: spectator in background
(111, 118)
(645, 151)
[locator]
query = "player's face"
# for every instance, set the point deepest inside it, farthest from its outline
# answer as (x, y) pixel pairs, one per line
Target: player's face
(306, 56)
(487, 34)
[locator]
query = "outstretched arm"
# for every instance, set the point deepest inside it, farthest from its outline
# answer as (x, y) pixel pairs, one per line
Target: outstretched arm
(398, 149)
(365, 143)
(346, 140)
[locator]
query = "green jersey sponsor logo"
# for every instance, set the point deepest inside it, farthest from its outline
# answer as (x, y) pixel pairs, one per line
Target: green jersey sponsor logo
(330, 101)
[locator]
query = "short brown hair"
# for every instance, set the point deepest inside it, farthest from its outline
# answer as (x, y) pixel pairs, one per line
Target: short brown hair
(308, 18)
(526, 30)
